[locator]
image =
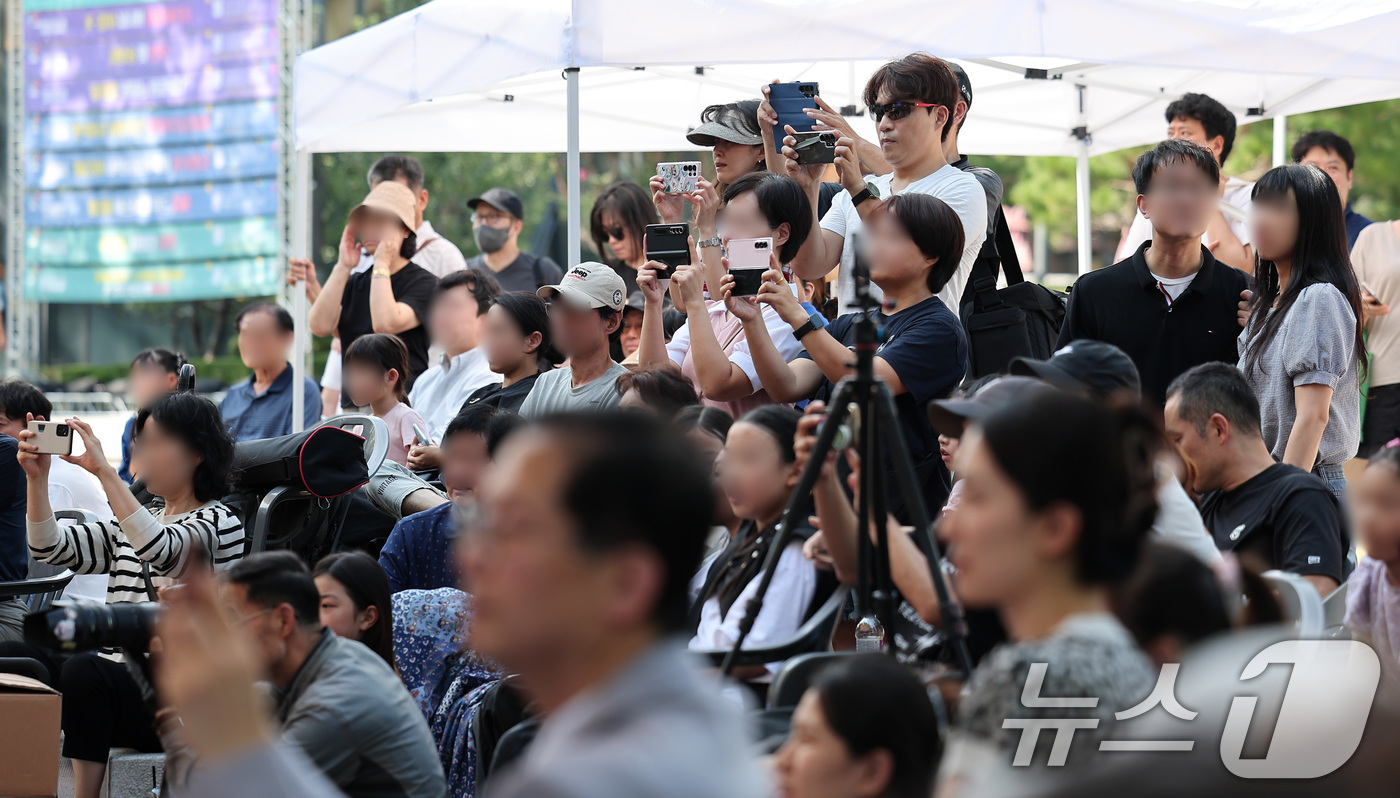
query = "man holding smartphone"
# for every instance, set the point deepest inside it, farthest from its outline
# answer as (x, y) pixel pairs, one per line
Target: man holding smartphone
(912, 100)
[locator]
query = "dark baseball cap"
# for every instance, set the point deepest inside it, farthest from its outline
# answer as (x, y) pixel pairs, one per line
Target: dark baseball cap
(948, 416)
(964, 85)
(637, 301)
(1086, 366)
(501, 199)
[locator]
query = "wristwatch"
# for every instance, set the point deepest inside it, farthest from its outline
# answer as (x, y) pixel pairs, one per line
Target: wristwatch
(815, 322)
(709, 242)
(871, 191)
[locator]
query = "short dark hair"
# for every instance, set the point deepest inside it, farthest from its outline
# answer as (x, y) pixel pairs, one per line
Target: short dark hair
(384, 352)
(480, 284)
(1112, 484)
(1172, 593)
(780, 199)
(18, 398)
(1327, 140)
(917, 77)
(670, 502)
(196, 421)
(872, 702)
(367, 585)
(1169, 153)
(276, 311)
(631, 205)
(531, 316)
(486, 421)
(779, 421)
(274, 578)
(935, 229)
(395, 167)
(167, 360)
(1212, 388)
(705, 418)
(663, 389)
(1213, 116)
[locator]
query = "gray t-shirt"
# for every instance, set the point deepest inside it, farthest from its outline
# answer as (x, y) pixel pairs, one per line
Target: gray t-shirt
(1315, 345)
(554, 392)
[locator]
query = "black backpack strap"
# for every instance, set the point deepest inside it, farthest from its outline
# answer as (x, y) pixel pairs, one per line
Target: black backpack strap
(535, 269)
(1006, 249)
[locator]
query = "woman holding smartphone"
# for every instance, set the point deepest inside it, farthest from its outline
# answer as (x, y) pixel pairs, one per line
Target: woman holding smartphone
(1302, 346)
(711, 348)
(914, 243)
(186, 457)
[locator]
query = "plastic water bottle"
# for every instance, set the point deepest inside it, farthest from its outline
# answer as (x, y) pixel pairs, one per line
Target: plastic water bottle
(870, 635)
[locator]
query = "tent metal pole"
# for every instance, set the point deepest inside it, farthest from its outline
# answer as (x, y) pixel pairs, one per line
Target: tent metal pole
(1280, 140)
(1082, 186)
(571, 171)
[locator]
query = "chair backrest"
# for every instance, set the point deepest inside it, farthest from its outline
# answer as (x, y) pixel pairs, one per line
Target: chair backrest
(796, 674)
(1334, 612)
(1301, 604)
(38, 591)
(298, 518)
(372, 429)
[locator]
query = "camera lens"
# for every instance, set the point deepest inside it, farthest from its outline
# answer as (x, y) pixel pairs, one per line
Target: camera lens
(760, 245)
(62, 430)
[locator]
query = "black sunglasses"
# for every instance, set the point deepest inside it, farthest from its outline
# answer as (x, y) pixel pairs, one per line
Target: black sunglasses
(618, 233)
(897, 111)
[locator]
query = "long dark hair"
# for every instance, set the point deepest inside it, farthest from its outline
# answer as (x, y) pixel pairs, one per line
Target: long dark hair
(531, 316)
(630, 204)
(1320, 255)
(1109, 477)
(384, 352)
(367, 586)
(872, 702)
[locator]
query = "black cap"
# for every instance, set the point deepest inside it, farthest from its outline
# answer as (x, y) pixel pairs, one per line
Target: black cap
(502, 199)
(1088, 366)
(637, 301)
(949, 415)
(964, 85)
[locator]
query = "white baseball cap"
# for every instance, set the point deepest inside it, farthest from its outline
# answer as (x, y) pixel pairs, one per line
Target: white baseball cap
(591, 285)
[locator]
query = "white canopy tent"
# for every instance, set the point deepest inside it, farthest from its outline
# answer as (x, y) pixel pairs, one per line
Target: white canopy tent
(1072, 77)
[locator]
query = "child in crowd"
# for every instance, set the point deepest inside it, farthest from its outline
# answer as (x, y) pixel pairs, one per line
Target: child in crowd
(376, 375)
(757, 471)
(1373, 591)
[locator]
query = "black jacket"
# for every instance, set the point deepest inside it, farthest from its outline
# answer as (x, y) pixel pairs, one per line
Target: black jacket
(1122, 305)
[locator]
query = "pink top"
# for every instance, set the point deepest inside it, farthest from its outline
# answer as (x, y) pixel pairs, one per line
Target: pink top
(729, 331)
(400, 421)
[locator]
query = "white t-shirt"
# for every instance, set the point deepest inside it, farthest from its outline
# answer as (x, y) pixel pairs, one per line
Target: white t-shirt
(779, 330)
(794, 583)
(1172, 287)
(1179, 522)
(1235, 203)
(959, 189)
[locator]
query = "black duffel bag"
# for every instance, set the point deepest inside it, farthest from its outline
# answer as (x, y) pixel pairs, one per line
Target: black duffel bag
(1021, 320)
(324, 461)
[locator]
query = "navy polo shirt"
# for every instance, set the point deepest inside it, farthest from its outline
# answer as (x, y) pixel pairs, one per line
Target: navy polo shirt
(251, 416)
(1355, 224)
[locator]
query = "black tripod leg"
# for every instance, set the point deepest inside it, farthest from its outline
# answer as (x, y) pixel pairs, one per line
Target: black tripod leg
(873, 515)
(954, 622)
(799, 505)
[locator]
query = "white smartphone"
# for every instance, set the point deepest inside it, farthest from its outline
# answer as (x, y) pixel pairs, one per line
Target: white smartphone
(679, 177)
(52, 437)
(421, 435)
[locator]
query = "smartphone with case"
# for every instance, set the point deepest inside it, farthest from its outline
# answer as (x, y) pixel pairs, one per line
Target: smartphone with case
(790, 102)
(748, 260)
(816, 146)
(52, 437)
(666, 243)
(679, 177)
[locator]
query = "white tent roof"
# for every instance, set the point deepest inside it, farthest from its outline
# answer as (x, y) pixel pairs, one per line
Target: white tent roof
(466, 75)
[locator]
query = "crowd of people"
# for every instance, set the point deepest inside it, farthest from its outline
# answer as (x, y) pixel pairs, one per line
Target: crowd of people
(589, 467)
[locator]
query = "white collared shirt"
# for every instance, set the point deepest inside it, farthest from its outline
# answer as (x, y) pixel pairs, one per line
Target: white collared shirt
(439, 392)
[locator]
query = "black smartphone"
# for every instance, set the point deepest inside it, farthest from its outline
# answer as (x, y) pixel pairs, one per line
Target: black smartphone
(666, 243)
(790, 101)
(816, 147)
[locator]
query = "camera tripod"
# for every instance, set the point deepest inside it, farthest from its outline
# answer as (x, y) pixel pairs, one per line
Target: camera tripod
(863, 408)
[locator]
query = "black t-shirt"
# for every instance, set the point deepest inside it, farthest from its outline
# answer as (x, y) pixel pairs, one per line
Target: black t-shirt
(1286, 517)
(413, 285)
(505, 398)
(526, 273)
(927, 347)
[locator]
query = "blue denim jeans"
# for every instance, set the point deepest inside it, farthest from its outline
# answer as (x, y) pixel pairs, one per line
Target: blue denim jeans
(1335, 478)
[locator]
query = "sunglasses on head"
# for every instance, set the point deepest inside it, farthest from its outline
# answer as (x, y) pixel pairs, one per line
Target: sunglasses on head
(897, 111)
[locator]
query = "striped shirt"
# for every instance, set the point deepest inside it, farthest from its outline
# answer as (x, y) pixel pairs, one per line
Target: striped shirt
(1315, 345)
(120, 548)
